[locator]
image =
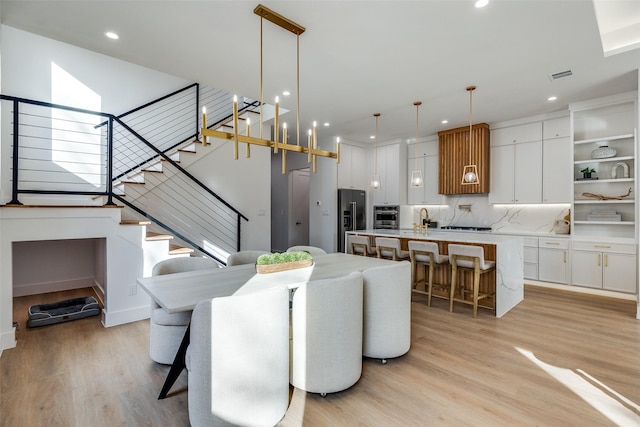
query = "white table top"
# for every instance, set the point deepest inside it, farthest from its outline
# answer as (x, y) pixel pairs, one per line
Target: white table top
(182, 291)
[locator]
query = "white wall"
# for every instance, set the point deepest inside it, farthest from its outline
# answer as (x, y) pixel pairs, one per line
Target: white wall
(245, 183)
(31, 67)
(323, 202)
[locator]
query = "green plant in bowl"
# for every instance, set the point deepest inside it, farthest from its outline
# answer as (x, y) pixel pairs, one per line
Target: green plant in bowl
(281, 258)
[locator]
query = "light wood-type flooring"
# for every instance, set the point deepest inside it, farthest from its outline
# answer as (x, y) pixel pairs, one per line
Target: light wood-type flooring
(557, 359)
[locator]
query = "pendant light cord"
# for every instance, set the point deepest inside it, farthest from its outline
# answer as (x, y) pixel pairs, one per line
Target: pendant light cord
(470, 89)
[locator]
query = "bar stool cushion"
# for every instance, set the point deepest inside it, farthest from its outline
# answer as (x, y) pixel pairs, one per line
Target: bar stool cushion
(386, 246)
(359, 245)
(432, 247)
(473, 251)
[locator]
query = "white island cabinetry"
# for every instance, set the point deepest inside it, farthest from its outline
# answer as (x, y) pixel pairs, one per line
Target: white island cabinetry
(505, 250)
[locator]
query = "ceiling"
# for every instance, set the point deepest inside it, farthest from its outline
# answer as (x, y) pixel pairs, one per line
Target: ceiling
(360, 57)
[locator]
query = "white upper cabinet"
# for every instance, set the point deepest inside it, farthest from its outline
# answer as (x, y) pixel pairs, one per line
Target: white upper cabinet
(516, 134)
(427, 163)
(556, 154)
(352, 171)
(516, 164)
(389, 171)
(556, 128)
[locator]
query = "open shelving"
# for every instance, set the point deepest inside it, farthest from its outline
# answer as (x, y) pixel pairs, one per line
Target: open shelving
(606, 122)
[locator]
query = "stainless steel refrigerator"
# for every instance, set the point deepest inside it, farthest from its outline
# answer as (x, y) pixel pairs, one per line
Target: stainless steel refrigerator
(351, 213)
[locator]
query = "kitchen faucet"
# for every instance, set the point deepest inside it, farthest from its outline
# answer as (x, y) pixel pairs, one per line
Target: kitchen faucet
(423, 224)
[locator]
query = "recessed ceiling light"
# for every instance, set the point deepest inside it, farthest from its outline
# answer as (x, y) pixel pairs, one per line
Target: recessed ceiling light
(326, 124)
(286, 93)
(112, 35)
(552, 98)
(445, 121)
(481, 3)
(372, 137)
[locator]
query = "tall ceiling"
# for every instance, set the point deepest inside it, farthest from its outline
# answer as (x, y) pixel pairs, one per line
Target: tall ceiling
(360, 57)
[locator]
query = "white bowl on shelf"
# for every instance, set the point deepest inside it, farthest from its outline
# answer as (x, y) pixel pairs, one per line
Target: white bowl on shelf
(604, 152)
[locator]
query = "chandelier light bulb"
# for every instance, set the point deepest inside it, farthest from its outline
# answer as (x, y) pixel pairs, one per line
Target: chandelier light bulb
(470, 177)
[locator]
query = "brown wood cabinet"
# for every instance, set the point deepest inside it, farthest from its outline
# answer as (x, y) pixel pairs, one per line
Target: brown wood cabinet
(453, 156)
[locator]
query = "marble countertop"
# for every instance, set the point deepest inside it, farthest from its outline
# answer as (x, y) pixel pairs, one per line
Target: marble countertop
(448, 235)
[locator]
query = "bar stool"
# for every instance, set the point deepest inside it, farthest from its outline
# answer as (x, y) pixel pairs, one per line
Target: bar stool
(359, 245)
(426, 254)
(389, 248)
(468, 258)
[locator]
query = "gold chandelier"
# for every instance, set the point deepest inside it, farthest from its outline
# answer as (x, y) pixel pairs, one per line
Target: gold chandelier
(311, 149)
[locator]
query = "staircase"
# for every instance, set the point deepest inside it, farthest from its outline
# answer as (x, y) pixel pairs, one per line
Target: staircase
(138, 160)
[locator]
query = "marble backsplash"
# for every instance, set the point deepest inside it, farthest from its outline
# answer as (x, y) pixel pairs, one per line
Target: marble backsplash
(475, 210)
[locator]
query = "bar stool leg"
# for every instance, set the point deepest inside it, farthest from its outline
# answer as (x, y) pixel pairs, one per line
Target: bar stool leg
(476, 287)
(454, 276)
(431, 269)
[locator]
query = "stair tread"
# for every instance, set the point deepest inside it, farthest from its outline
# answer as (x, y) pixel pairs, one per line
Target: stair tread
(134, 222)
(176, 249)
(158, 236)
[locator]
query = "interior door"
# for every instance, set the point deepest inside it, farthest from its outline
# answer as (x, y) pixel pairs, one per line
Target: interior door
(299, 207)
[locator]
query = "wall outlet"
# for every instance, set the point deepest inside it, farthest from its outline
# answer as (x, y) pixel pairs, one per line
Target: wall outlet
(133, 290)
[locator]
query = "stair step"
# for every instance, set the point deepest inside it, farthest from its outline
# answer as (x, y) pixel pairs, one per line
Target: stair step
(157, 236)
(176, 250)
(152, 170)
(134, 222)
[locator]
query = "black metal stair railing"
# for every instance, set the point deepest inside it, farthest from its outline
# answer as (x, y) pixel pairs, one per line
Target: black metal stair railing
(61, 151)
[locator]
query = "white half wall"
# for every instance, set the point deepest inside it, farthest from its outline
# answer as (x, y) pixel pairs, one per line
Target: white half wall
(125, 261)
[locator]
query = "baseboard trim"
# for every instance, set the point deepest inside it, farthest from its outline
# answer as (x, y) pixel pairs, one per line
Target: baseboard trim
(582, 290)
(63, 285)
(124, 316)
(8, 340)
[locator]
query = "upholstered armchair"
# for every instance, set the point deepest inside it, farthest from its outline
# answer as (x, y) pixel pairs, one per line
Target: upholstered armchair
(313, 250)
(326, 322)
(244, 257)
(166, 330)
(238, 360)
(387, 311)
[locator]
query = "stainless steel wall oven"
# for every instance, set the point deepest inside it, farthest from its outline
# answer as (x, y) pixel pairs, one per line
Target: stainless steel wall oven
(386, 217)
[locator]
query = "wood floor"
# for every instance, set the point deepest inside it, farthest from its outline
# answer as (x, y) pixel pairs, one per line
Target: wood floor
(557, 359)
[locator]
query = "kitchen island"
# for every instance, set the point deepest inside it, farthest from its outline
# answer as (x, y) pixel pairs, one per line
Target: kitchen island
(507, 251)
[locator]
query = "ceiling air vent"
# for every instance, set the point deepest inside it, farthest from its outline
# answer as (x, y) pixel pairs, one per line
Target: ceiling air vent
(561, 75)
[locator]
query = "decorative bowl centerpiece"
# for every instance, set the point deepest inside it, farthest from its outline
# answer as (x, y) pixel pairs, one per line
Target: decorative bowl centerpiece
(271, 263)
(604, 152)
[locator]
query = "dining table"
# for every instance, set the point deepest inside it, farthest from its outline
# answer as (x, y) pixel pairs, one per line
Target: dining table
(183, 291)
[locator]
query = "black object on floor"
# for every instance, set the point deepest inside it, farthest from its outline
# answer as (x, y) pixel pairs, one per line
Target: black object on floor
(62, 311)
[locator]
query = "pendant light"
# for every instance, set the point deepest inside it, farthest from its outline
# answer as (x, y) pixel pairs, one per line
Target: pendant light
(416, 175)
(470, 173)
(375, 178)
